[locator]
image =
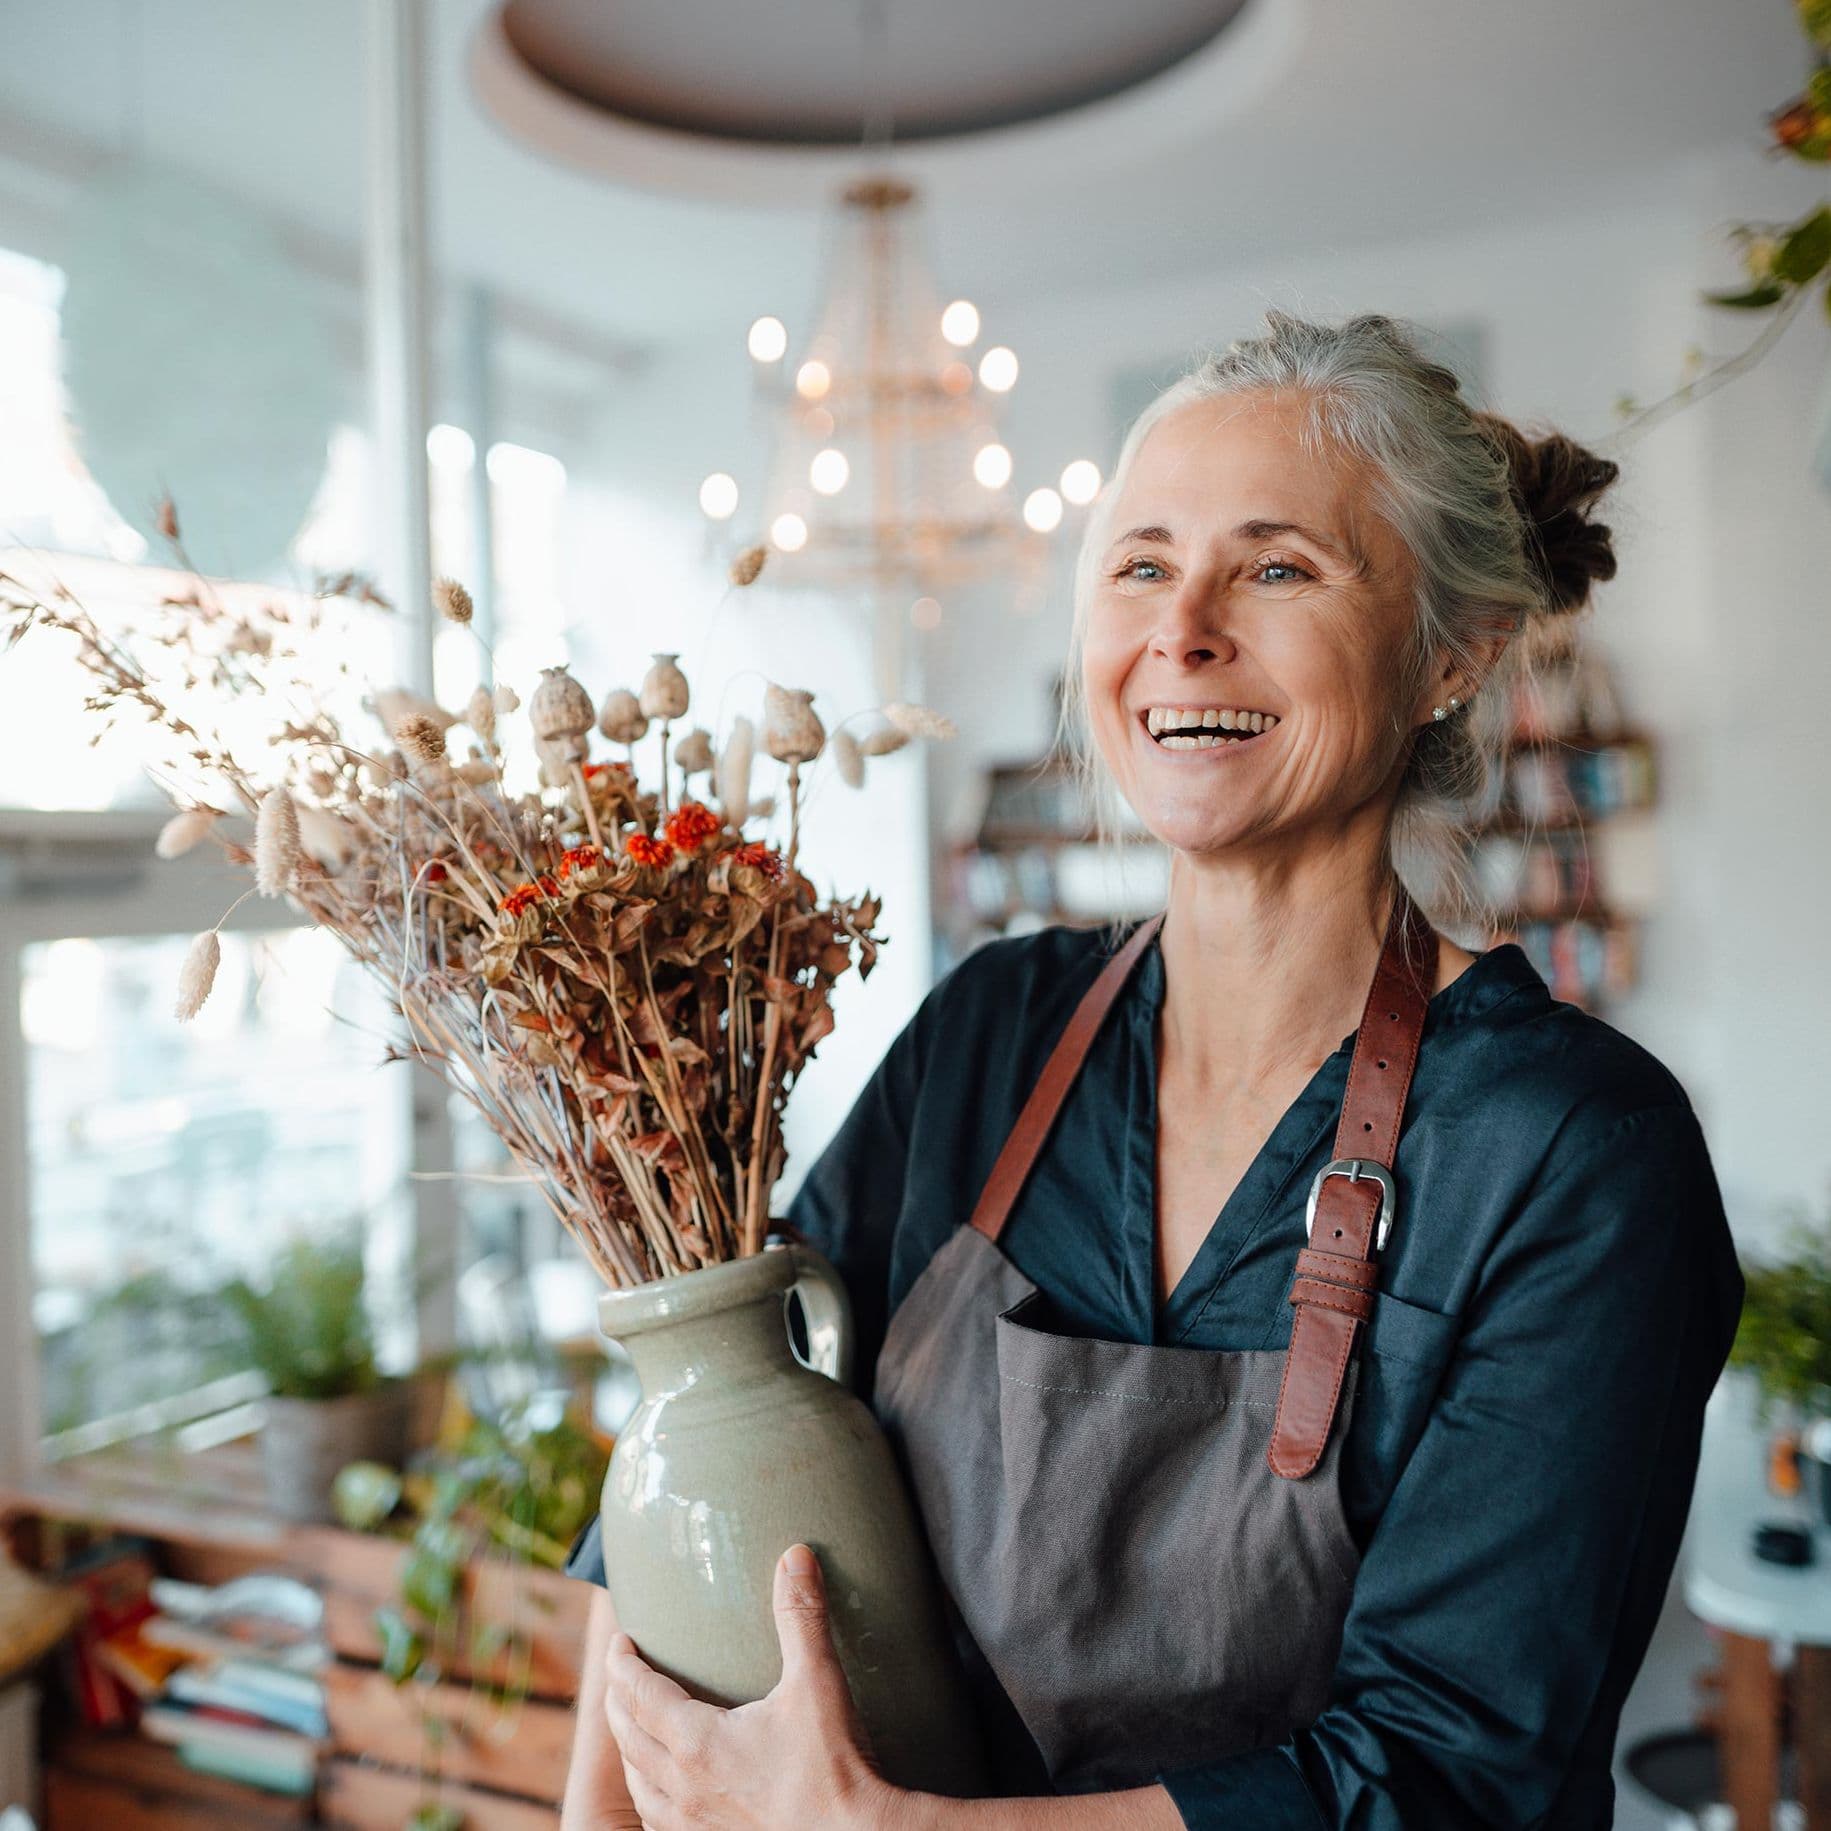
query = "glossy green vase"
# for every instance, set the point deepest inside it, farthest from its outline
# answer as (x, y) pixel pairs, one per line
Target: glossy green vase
(738, 1451)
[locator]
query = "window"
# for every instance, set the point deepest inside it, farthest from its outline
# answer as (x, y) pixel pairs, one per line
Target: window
(164, 1159)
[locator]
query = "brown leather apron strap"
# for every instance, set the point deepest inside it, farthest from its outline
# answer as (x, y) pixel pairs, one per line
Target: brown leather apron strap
(1031, 1131)
(1353, 1202)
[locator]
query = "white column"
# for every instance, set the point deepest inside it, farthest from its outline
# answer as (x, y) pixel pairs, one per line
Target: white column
(20, 1426)
(399, 330)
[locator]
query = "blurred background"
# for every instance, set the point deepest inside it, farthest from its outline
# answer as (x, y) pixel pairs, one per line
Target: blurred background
(575, 302)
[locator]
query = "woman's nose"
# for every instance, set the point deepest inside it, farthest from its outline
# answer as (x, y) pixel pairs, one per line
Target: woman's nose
(1193, 630)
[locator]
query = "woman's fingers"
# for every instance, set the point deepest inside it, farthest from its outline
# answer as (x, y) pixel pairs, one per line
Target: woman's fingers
(669, 1732)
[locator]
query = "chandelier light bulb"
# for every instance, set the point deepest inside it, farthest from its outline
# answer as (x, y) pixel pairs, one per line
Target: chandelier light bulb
(925, 613)
(829, 470)
(718, 496)
(960, 325)
(1081, 481)
(992, 466)
(768, 339)
(998, 369)
(1043, 510)
(789, 532)
(813, 379)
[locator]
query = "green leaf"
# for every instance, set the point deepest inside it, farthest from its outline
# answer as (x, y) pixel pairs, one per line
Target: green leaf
(1828, 302)
(436, 1818)
(1805, 252)
(401, 1648)
(1755, 299)
(1815, 18)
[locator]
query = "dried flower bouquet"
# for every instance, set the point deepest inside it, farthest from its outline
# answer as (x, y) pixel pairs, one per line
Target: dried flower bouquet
(623, 979)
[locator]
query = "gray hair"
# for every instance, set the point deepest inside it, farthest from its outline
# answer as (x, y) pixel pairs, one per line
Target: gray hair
(1455, 485)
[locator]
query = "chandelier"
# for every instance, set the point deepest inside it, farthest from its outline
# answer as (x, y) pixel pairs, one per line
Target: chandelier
(888, 479)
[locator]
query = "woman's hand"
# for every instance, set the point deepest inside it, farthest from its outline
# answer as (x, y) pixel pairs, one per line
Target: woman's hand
(798, 1757)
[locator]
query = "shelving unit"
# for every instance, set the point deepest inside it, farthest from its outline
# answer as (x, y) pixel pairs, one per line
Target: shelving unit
(503, 1775)
(1577, 772)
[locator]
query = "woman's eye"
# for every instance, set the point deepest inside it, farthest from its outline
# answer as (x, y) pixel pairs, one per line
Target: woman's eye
(1130, 569)
(1281, 565)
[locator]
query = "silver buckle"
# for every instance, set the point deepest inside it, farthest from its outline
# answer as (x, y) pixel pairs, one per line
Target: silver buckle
(1358, 1169)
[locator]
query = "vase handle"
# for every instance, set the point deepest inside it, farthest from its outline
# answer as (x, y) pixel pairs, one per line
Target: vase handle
(828, 1313)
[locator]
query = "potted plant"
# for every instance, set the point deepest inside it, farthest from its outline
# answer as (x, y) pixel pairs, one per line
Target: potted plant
(308, 1334)
(1784, 1342)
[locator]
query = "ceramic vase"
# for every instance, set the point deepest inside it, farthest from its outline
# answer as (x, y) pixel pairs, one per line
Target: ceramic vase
(738, 1450)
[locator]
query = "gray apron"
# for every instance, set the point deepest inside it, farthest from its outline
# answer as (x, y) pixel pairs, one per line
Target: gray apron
(1146, 1546)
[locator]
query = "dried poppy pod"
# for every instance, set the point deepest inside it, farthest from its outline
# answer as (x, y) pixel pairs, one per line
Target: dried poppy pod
(792, 731)
(621, 717)
(561, 708)
(694, 751)
(664, 689)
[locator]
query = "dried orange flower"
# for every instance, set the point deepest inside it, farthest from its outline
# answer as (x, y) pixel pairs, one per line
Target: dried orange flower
(759, 858)
(579, 858)
(690, 826)
(643, 850)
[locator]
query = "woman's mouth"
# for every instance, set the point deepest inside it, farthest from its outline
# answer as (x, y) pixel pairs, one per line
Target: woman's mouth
(1205, 727)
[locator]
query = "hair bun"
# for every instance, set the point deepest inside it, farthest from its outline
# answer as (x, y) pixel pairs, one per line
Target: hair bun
(1556, 483)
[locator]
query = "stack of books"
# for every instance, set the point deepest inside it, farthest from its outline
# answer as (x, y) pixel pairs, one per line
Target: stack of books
(244, 1700)
(243, 1719)
(226, 1674)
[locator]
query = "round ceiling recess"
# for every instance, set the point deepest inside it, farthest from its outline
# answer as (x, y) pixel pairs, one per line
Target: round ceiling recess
(803, 73)
(737, 102)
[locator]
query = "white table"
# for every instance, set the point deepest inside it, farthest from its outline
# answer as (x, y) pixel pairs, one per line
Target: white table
(1774, 1620)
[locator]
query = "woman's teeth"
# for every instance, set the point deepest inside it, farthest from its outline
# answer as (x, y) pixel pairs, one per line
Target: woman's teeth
(1204, 727)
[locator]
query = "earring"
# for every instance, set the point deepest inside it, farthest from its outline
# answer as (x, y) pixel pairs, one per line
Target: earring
(1439, 712)
(1454, 702)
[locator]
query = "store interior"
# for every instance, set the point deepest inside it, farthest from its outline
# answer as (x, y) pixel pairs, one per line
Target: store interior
(318, 306)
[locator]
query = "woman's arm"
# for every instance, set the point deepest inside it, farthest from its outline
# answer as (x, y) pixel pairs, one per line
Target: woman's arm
(597, 1796)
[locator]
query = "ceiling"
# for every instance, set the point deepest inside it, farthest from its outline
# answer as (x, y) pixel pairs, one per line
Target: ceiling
(1401, 118)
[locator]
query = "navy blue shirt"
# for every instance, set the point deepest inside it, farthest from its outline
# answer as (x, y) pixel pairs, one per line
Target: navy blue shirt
(1557, 1299)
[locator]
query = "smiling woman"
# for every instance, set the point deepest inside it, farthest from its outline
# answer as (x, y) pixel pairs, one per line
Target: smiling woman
(1295, 1328)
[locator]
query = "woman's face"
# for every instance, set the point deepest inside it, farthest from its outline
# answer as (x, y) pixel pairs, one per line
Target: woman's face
(1247, 576)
